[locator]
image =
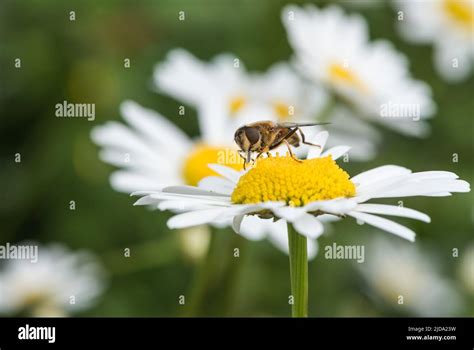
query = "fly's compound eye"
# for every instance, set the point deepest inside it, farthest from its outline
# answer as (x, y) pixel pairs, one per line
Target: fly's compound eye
(253, 135)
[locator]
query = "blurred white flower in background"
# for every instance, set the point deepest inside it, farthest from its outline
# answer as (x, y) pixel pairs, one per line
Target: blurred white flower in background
(396, 269)
(151, 152)
(195, 241)
(226, 95)
(61, 282)
(466, 269)
(334, 51)
(446, 24)
(223, 87)
(219, 90)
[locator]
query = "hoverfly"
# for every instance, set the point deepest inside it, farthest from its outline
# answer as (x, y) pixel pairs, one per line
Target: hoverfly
(263, 136)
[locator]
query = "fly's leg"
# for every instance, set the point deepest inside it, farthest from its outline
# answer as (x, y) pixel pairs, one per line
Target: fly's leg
(304, 141)
(245, 160)
(291, 152)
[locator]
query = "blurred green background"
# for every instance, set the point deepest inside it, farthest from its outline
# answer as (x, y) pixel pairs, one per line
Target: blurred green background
(82, 61)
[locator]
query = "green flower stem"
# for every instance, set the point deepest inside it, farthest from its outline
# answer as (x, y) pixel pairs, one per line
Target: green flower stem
(298, 272)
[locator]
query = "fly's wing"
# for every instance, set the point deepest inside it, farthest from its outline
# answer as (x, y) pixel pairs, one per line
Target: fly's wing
(287, 131)
(282, 134)
(284, 125)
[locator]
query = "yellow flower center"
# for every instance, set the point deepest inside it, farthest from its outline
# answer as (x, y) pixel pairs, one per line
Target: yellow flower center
(338, 73)
(236, 104)
(461, 12)
(282, 110)
(296, 183)
(196, 168)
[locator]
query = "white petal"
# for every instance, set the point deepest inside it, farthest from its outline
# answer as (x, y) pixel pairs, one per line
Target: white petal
(289, 213)
(424, 188)
(146, 163)
(154, 126)
(227, 172)
(190, 190)
(182, 76)
(425, 181)
(385, 224)
(237, 222)
(217, 185)
(409, 127)
(320, 139)
(439, 194)
(143, 193)
(385, 209)
(278, 235)
(147, 200)
(254, 228)
(308, 226)
(328, 218)
(118, 136)
(188, 200)
(128, 182)
(336, 152)
(312, 248)
(182, 205)
(377, 174)
(333, 206)
(430, 175)
(207, 200)
(198, 217)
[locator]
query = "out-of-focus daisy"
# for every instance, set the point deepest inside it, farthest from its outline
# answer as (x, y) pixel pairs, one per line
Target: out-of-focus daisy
(219, 90)
(59, 283)
(448, 25)
(303, 193)
(151, 141)
(195, 241)
(405, 277)
(224, 93)
(466, 268)
(333, 50)
(224, 86)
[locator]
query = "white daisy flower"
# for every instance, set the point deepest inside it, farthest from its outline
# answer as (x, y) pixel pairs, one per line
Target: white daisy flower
(59, 283)
(406, 277)
(304, 193)
(151, 141)
(448, 25)
(333, 50)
